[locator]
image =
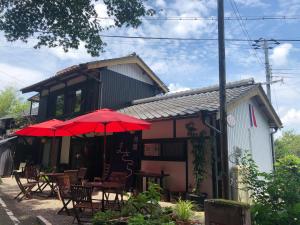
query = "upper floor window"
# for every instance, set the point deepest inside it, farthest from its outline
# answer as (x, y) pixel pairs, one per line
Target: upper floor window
(78, 100)
(59, 106)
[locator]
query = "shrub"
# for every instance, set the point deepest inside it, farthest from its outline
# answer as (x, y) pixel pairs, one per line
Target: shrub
(142, 209)
(104, 218)
(276, 195)
(183, 210)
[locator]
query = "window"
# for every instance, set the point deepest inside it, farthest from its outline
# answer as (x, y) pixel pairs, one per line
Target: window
(59, 106)
(165, 150)
(77, 106)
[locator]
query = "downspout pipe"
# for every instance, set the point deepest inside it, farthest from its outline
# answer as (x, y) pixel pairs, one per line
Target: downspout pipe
(272, 146)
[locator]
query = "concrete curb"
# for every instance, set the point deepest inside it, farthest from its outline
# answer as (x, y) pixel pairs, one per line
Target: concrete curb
(41, 220)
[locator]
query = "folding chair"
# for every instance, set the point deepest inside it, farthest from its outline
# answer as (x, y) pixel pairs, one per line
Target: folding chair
(64, 192)
(26, 189)
(81, 174)
(121, 178)
(73, 174)
(32, 176)
(20, 170)
(82, 201)
(105, 174)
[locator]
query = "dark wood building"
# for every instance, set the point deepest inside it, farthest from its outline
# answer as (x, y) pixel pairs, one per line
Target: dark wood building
(112, 83)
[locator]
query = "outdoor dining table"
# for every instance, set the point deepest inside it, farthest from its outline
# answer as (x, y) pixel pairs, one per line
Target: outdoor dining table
(50, 179)
(104, 187)
(158, 177)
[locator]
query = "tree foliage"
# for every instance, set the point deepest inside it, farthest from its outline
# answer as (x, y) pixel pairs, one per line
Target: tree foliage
(288, 144)
(276, 195)
(11, 103)
(66, 23)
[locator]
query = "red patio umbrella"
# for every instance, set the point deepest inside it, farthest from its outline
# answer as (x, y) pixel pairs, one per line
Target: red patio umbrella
(43, 129)
(103, 120)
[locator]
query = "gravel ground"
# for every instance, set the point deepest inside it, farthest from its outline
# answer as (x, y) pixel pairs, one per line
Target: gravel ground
(46, 207)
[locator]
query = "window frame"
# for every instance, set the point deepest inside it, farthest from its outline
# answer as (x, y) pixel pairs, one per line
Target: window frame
(162, 157)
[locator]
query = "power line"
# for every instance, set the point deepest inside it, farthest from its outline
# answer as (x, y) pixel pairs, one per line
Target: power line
(244, 29)
(192, 39)
(210, 18)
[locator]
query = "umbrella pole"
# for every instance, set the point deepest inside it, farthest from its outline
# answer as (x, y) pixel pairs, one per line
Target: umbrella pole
(104, 152)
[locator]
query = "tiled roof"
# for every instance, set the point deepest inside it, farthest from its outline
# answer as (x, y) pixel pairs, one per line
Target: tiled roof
(62, 74)
(187, 102)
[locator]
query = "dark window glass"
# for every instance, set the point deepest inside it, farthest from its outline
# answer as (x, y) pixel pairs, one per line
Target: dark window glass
(165, 150)
(78, 99)
(173, 150)
(59, 109)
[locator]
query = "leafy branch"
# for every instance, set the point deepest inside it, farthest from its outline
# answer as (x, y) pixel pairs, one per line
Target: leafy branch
(198, 141)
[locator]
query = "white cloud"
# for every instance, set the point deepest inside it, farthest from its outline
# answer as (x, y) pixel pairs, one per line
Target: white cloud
(175, 87)
(280, 54)
(291, 117)
(252, 3)
(18, 77)
(160, 3)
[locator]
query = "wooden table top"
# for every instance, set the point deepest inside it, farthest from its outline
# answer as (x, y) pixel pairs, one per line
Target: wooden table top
(52, 174)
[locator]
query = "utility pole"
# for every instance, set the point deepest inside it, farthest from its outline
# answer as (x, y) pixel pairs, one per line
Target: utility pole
(264, 44)
(222, 99)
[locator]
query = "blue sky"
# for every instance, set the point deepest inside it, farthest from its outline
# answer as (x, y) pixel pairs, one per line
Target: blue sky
(184, 64)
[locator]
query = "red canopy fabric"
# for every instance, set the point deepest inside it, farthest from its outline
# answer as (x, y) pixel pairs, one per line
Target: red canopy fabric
(101, 121)
(46, 128)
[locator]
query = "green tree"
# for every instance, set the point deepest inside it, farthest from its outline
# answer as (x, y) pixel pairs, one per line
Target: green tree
(67, 23)
(276, 195)
(11, 103)
(288, 144)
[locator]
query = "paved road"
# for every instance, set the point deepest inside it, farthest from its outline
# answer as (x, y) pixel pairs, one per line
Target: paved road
(4, 218)
(9, 215)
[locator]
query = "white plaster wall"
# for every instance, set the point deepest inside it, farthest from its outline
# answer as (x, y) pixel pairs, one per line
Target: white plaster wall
(131, 70)
(254, 139)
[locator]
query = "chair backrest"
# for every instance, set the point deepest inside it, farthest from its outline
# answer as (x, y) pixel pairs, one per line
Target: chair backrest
(120, 177)
(31, 173)
(73, 175)
(81, 194)
(106, 171)
(22, 166)
(81, 173)
(63, 182)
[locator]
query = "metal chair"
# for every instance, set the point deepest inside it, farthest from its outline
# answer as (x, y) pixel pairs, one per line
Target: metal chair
(64, 192)
(82, 201)
(26, 189)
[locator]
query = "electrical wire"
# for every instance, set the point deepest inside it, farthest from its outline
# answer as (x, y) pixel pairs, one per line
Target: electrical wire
(244, 30)
(212, 18)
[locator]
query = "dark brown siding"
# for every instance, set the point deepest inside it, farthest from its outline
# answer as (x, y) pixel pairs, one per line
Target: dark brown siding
(119, 90)
(42, 114)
